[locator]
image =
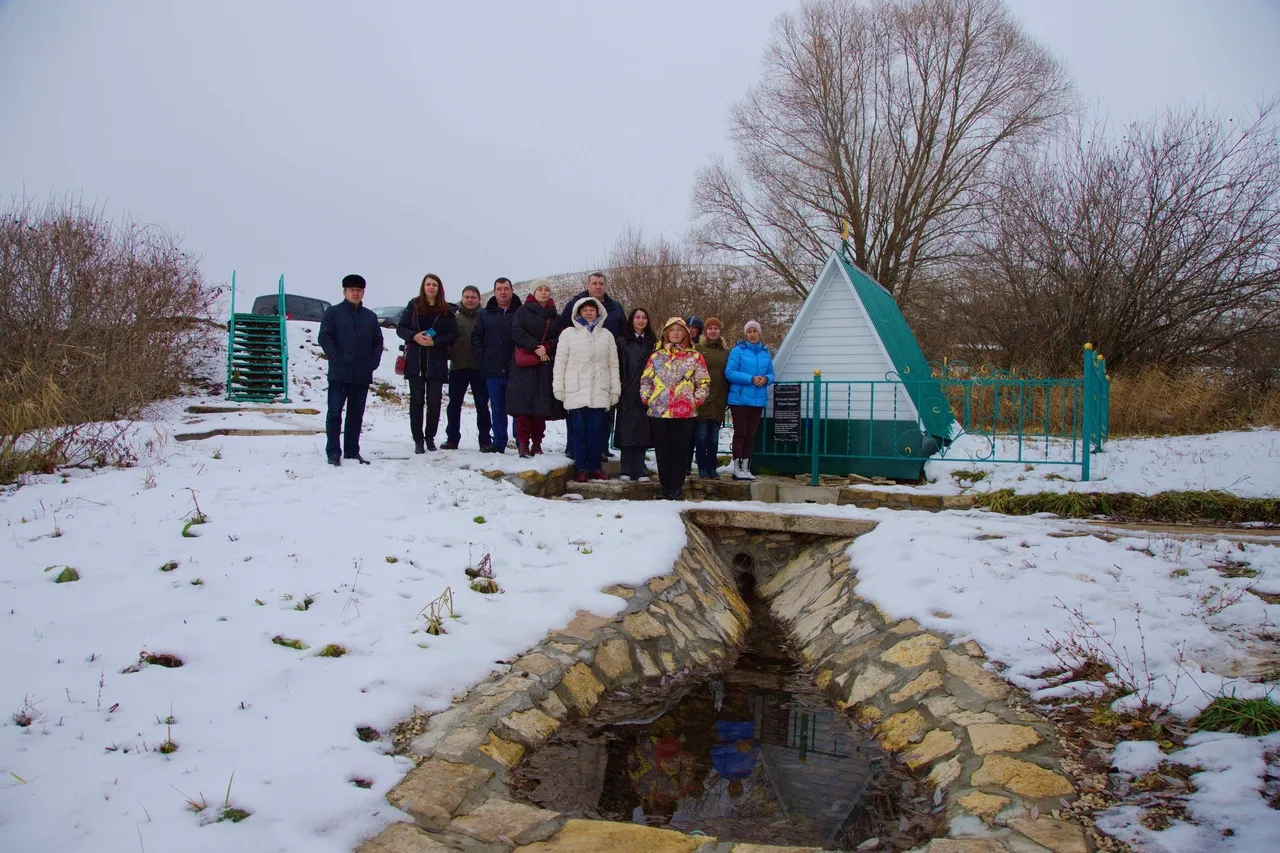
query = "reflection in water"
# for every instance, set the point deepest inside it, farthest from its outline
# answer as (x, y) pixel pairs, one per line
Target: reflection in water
(757, 757)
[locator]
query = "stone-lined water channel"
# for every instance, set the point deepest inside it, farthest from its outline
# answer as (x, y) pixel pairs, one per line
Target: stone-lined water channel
(962, 765)
(753, 753)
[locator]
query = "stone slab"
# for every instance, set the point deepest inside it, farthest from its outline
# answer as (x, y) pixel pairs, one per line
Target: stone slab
(403, 838)
(913, 652)
(927, 681)
(497, 819)
(583, 687)
(434, 790)
(531, 727)
(936, 744)
(897, 731)
(779, 522)
(583, 625)
(613, 660)
(966, 845)
(983, 805)
(968, 670)
(614, 490)
(1021, 777)
(997, 737)
(213, 433)
(598, 836)
(789, 493)
(505, 752)
(1058, 835)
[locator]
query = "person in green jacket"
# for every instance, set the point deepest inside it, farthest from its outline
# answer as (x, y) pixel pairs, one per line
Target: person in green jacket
(706, 432)
(464, 373)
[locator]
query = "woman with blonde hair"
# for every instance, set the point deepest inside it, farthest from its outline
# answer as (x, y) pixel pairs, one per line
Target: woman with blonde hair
(428, 328)
(674, 384)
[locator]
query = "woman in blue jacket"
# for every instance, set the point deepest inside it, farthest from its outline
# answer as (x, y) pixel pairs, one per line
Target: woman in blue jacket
(750, 373)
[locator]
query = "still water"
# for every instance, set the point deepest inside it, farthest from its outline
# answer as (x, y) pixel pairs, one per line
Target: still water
(753, 755)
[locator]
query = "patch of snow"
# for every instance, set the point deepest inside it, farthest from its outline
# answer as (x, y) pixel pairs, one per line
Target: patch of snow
(1228, 805)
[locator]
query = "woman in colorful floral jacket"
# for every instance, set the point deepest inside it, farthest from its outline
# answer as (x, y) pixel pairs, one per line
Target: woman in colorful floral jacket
(674, 384)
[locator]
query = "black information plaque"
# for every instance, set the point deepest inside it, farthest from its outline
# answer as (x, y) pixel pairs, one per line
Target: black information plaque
(786, 413)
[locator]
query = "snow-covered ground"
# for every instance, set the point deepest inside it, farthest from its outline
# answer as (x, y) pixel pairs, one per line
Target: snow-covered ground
(295, 549)
(1243, 463)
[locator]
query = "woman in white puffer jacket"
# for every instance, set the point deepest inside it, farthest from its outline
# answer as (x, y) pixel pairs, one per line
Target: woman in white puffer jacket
(587, 381)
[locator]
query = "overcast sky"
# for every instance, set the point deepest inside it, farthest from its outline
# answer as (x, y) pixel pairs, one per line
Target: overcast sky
(315, 137)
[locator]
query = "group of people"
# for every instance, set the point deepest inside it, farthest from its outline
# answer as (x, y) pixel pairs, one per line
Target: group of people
(588, 362)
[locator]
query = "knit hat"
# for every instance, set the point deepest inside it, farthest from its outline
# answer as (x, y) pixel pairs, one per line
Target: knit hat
(751, 324)
(695, 320)
(353, 280)
(539, 282)
(712, 321)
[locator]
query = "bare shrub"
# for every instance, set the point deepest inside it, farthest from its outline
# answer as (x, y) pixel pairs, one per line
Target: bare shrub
(889, 114)
(1085, 655)
(97, 320)
(669, 279)
(1161, 247)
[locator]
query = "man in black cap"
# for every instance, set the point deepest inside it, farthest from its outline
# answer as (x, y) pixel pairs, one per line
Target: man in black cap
(352, 342)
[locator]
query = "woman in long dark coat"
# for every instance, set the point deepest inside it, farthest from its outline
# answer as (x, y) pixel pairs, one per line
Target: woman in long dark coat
(530, 397)
(631, 432)
(428, 329)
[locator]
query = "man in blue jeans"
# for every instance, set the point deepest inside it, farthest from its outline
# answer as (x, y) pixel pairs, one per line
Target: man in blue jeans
(492, 347)
(352, 342)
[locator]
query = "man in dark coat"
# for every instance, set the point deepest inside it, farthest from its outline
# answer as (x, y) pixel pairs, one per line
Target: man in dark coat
(614, 318)
(464, 373)
(491, 346)
(352, 342)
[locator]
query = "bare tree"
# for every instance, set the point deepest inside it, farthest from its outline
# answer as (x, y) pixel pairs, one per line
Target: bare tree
(889, 114)
(668, 279)
(1161, 247)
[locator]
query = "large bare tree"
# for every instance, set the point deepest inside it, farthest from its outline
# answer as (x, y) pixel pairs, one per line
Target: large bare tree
(889, 114)
(1161, 246)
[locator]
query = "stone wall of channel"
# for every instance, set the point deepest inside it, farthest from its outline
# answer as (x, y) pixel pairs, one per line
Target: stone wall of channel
(458, 795)
(930, 702)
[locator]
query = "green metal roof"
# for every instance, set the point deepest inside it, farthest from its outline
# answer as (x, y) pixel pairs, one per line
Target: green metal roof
(904, 351)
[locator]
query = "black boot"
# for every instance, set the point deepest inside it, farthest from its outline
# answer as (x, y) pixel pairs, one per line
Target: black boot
(418, 447)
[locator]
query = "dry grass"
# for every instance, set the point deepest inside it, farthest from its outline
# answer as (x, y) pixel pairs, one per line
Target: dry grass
(1187, 507)
(1153, 402)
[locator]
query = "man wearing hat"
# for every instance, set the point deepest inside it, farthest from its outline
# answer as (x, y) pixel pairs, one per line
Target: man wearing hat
(352, 342)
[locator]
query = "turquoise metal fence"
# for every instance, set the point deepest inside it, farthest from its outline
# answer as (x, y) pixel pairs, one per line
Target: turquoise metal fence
(1008, 417)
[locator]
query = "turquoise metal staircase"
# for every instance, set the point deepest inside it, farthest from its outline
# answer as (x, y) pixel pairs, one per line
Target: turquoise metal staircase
(257, 354)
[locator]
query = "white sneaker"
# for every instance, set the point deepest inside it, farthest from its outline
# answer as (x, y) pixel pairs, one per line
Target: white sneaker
(642, 479)
(626, 478)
